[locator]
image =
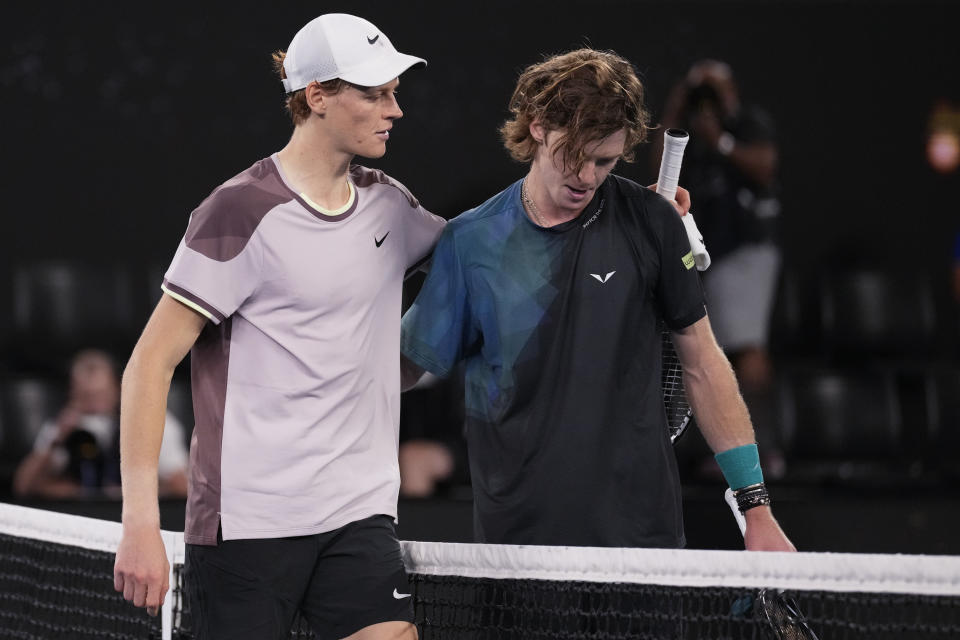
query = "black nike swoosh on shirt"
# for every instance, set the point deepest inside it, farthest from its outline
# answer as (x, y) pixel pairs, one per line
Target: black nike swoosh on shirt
(374, 39)
(380, 241)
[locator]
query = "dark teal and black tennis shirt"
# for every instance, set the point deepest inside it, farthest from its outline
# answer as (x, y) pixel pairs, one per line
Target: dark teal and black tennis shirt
(559, 331)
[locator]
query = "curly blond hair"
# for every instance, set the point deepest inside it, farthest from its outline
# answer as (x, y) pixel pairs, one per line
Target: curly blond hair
(587, 93)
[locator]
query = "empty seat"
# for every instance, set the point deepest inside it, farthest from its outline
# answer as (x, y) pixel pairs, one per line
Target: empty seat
(943, 409)
(59, 308)
(871, 312)
(25, 404)
(794, 326)
(841, 423)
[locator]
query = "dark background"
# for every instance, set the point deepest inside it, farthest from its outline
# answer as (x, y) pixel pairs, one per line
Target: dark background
(119, 118)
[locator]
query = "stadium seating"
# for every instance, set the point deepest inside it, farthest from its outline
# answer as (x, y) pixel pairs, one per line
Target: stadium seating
(841, 424)
(25, 404)
(870, 313)
(61, 307)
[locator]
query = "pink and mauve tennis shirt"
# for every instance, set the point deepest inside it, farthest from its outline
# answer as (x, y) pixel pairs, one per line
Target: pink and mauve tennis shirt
(296, 378)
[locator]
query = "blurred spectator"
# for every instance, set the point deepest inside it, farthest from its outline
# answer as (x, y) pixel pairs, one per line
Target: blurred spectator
(956, 268)
(77, 454)
(943, 137)
(730, 168)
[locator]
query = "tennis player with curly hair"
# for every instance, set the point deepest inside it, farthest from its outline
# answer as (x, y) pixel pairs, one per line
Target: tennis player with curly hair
(552, 292)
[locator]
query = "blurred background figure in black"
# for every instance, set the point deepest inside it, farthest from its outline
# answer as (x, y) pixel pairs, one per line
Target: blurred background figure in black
(76, 454)
(956, 269)
(730, 168)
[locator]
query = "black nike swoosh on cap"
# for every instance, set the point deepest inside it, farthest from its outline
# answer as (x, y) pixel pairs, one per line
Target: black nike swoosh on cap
(374, 39)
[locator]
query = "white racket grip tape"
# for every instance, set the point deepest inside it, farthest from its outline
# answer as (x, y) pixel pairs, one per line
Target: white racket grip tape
(732, 503)
(674, 142)
(700, 256)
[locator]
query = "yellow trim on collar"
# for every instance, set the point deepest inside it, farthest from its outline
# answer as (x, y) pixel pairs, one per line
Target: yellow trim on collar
(334, 212)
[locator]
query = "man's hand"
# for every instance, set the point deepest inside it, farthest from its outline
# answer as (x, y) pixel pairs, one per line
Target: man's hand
(423, 463)
(141, 571)
(763, 533)
(681, 201)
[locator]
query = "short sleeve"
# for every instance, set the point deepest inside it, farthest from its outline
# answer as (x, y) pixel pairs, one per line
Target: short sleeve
(678, 287)
(213, 278)
(437, 329)
(421, 229)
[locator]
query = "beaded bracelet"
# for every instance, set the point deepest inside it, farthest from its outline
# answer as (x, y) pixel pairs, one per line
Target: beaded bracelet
(755, 495)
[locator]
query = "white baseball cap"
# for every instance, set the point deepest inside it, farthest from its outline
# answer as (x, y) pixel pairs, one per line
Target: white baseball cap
(338, 45)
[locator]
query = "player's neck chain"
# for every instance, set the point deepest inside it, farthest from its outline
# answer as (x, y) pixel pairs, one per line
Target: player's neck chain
(529, 205)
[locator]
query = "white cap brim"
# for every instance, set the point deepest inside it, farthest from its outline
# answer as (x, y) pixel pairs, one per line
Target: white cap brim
(382, 70)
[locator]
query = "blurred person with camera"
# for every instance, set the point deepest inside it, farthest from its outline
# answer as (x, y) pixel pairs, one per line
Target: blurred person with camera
(731, 168)
(77, 454)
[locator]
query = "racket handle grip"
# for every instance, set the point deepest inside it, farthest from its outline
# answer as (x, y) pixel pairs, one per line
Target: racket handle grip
(674, 142)
(732, 503)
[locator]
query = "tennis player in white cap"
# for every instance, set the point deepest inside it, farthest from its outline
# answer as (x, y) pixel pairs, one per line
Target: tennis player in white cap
(286, 289)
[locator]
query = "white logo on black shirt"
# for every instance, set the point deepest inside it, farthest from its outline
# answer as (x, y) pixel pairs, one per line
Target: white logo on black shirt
(401, 596)
(595, 215)
(603, 279)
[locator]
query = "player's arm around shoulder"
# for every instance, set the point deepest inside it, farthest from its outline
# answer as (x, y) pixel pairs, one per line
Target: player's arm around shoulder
(141, 568)
(723, 418)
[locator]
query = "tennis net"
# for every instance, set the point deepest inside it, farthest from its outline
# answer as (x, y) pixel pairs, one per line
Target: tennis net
(56, 581)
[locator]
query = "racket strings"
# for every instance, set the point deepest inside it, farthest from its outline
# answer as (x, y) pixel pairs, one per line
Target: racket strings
(675, 401)
(783, 616)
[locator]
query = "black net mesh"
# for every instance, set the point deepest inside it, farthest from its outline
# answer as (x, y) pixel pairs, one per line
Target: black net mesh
(59, 591)
(460, 608)
(483, 608)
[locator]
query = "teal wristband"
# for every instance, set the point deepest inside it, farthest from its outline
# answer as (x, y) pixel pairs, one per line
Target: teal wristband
(740, 466)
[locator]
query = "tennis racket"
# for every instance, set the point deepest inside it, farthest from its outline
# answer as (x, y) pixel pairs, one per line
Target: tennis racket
(675, 401)
(777, 612)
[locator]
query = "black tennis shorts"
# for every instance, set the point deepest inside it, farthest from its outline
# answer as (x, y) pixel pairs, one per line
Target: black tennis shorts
(340, 581)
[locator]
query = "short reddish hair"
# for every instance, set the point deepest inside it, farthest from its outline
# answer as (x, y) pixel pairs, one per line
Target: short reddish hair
(590, 94)
(296, 101)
